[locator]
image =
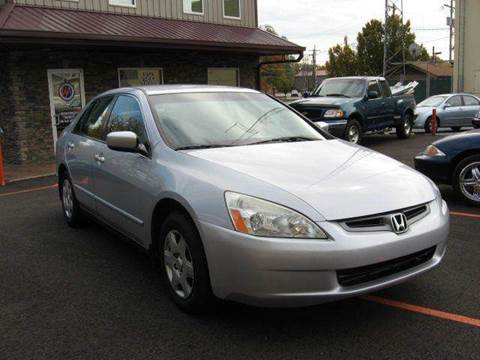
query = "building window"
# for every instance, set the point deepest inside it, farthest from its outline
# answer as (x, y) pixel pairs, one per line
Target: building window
(140, 76)
(127, 3)
(224, 76)
(193, 7)
(231, 9)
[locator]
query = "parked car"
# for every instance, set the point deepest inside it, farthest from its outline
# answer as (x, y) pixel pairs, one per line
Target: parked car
(453, 111)
(476, 121)
(241, 198)
(353, 106)
(455, 160)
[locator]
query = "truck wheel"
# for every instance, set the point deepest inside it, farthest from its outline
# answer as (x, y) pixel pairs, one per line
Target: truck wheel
(404, 129)
(353, 132)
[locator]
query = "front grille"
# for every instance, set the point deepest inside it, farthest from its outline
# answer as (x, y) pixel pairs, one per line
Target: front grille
(381, 222)
(313, 113)
(359, 275)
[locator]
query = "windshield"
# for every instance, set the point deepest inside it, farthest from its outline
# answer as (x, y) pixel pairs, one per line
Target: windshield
(194, 120)
(341, 88)
(432, 101)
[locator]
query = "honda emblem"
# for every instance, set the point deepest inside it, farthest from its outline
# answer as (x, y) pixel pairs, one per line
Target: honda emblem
(399, 223)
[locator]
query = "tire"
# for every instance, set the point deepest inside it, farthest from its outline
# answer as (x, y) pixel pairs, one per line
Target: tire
(404, 130)
(353, 132)
(456, 128)
(70, 206)
(183, 264)
(465, 170)
(428, 126)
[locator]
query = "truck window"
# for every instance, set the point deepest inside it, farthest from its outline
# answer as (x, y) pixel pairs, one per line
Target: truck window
(373, 86)
(386, 92)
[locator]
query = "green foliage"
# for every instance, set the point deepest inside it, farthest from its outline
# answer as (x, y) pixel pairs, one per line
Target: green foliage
(368, 58)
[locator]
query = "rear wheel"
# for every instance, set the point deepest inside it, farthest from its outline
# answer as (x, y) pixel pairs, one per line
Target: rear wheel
(456, 128)
(71, 208)
(404, 129)
(353, 132)
(466, 180)
(184, 265)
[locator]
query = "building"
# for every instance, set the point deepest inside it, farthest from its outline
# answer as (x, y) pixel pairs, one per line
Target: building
(433, 77)
(304, 80)
(467, 47)
(56, 55)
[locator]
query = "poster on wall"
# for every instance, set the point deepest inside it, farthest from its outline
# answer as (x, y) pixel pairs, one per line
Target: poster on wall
(140, 76)
(66, 97)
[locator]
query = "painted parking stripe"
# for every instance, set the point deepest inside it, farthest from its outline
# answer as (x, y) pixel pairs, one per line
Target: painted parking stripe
(29, 190)
(467, 215)
(423, 310)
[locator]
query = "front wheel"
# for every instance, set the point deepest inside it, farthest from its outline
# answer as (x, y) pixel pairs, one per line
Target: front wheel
(428, 126)
(183, 264)
(404, 129)
(353, 132)
(466, 180)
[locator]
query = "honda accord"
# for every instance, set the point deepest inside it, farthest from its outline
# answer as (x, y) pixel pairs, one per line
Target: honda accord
(239, 197)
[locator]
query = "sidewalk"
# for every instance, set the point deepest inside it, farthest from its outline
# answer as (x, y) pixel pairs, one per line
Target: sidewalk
(28, 171)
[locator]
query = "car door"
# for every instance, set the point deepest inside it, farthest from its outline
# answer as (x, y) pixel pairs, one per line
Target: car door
(80, 149)
(375, 110)
(452, 112)
(122, 178)
(389, 103)
(471, 106)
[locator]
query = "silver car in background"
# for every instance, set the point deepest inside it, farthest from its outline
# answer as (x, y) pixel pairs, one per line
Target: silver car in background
(453, 111)
(239, 197)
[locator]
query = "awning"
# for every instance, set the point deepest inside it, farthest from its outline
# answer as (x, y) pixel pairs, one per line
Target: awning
(30, 24)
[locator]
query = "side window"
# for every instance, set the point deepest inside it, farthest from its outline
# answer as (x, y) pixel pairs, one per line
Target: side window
(470, 101)
(373, 86)
(93, 122)
(386, 92)
(126, 116)
(455, 101)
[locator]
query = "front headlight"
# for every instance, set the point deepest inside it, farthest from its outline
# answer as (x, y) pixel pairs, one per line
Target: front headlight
(433, 151)
(334, 114)
(258, 217)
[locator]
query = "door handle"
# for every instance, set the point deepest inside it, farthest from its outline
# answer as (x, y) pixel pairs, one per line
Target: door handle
(99, 158)
(71, 146)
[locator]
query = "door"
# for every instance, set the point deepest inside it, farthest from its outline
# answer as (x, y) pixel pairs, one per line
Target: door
(389, 101)
(67, 97)
(375, 108)
(122, 178)
(453, 112)
(80, 149)
(471, 106)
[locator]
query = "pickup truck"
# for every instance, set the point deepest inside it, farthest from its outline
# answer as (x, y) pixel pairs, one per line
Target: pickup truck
(353, 106)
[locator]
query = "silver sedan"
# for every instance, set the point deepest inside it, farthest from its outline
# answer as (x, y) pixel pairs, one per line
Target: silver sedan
(240, 198)
(453, 111)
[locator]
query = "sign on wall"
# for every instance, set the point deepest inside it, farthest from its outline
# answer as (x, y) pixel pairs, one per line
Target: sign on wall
(140, 76)
(67, 97)
(223, 76)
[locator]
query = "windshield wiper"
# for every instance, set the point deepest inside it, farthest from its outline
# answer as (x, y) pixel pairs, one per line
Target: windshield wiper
(195, 147)
(284, 139)
(338, 95)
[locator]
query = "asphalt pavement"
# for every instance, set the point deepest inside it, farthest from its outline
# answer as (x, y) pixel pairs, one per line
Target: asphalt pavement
(86, 294)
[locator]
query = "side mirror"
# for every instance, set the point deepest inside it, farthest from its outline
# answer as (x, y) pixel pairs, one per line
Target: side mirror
(446, 106)
(123, 141)
(372, 94)
(322, 126)
(306, 94)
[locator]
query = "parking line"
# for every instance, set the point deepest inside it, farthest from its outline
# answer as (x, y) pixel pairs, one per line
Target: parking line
(29, 190)
(423, 310)
(467, 215)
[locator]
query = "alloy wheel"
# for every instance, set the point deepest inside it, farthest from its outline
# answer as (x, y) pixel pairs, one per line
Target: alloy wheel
(67, 198)
(178, 264)
(407, 126)
(470, 181)
(353, 134)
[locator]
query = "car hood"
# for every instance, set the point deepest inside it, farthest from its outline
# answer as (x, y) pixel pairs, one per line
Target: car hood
(323, 101)
(338, 179)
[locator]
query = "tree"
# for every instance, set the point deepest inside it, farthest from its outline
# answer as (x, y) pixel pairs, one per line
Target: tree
(342, 60)
(279, 76)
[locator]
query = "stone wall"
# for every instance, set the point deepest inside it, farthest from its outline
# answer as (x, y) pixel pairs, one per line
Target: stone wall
(24, 101)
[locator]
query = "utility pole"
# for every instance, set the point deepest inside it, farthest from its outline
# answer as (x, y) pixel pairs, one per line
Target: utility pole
(314, 70)
(385, 41)
(451, 25)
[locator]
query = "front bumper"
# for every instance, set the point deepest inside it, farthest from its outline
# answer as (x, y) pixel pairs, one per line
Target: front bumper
(436, 168)
(296, 272)
(336, 127)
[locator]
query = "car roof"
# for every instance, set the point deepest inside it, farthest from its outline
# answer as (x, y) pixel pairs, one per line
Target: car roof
(176, 89)
(360, 77)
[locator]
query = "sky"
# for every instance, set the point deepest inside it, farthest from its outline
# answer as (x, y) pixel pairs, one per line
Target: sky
(324, 23)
